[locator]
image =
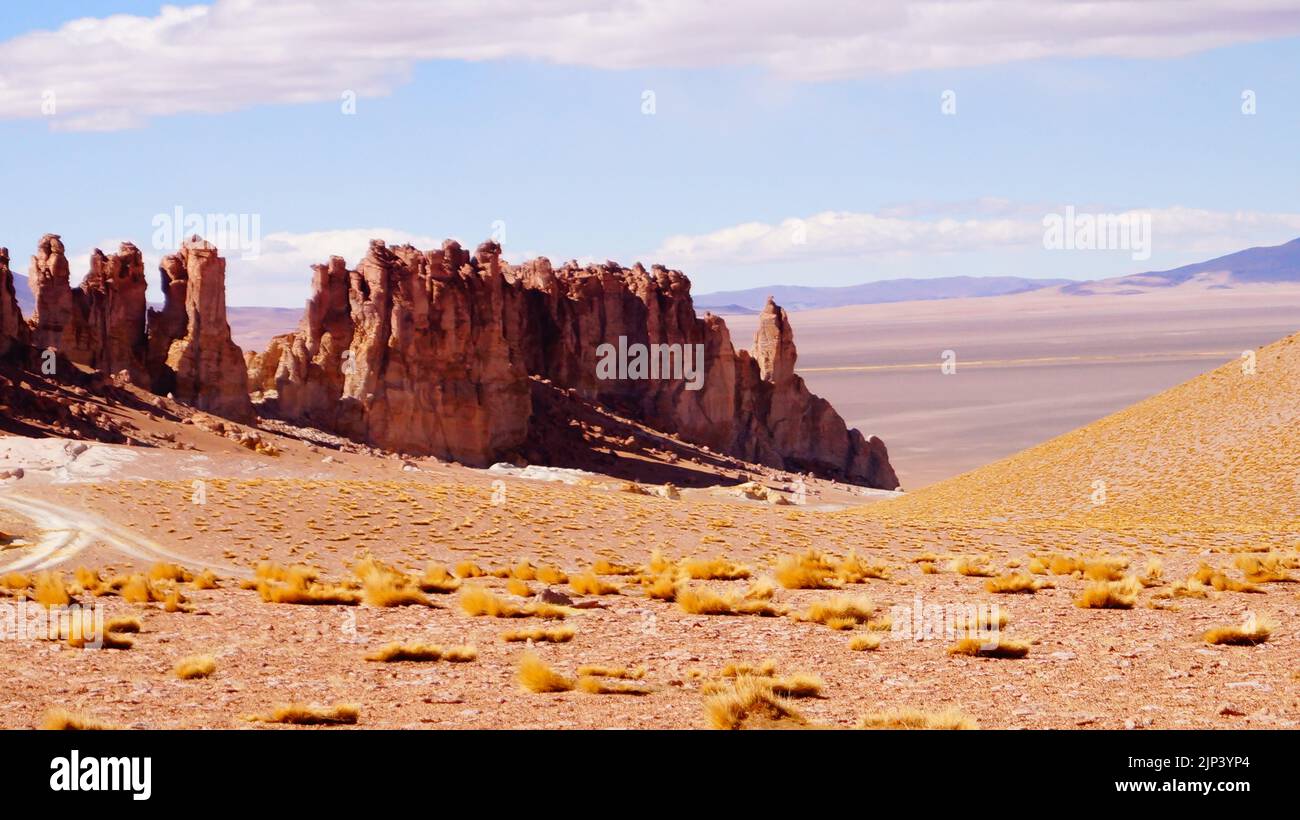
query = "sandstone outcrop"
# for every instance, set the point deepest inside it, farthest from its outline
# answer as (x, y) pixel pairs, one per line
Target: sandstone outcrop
(430, 352)
(191, 353)
(407, 352)
(100, 323)
(14, 334)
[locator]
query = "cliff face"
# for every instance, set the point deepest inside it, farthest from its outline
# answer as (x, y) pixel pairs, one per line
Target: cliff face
(430, 352)
(100, 323)
(14, 334)
(406, 352)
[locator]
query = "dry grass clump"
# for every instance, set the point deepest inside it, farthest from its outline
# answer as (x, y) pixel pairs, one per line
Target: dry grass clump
(976, 620)
(1191, 588)
(81, 628)
(749, 702)
(519, 587)
(864, 643)
(123, 623)
(812, 570)
(64, 720)
(1105, 569)
(384, 586)
(766, 669)
(950, 718)
(978, 566)
(299, 584)
(398, 652)
(469, 569)
(1109, 594)
(551, 575)
(169, 572)
(49, 590)
(476, 600)
(206, 579)
(1250, 633)
(593, 685)
(661, 587)
(557, 634)
(1220, 581)
(603, 567)
(1065, 564)
(436, 579)
(699, 600)
(1264, 569)
(196, 666)
(713, 569)
(990, 647)
(16, 581)
(589, 583)
(1016, 583)
(840, 612)
(310, 714)
(853, 570)
(620, 672)
(535, 676)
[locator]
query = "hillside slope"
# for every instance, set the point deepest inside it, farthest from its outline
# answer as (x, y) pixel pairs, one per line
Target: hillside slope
(1211, 463)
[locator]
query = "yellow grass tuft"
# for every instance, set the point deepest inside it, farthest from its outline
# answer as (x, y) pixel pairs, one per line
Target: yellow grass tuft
(714, 569)
(972, 565)
(64, 720)
(476, 600)
(1105, 569)
(49, 590)
(468, 569)
(123, 623)
(853, 570)
(169, 572)
(1109, 594)
(749, 702)
(437, 580)
(1250, 633)
(1016, 583)
(865, 642)
(1220, 581)
(812, 570)
(310, 714)
(397, 652)
(80, 628)
(661, 588)
(699, 600)
(916, 719)
(196, 666)
(557, 634)
(206, 579)
(384, 586)
(593, 685)
(1263, 569)
(589, 583)
(840, 612)
(16, 580)
(519, 587)
(603, 567)
(620, 672)
(535, 676)
(551, 575)
(990, 647)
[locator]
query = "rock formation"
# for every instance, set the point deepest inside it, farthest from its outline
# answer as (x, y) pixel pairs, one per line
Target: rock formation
(58, 320)
(101, 323)
(14, 334)
(430, 352)
(190, 351)
(406, 352)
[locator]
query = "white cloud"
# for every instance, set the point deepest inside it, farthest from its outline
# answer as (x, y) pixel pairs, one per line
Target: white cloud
(119, 71)
(848, 235)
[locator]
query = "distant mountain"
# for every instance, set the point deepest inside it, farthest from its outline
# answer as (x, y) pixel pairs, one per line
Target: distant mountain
(800, 297)
(251, 327)
(1276, 263)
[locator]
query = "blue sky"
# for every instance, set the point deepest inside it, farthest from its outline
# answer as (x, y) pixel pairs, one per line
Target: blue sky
(560, 152)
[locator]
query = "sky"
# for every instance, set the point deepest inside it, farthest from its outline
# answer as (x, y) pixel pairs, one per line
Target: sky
(746, 144)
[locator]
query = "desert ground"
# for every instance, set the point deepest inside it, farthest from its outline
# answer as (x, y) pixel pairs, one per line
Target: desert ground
(1112, 553)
